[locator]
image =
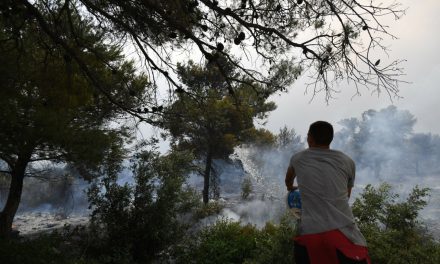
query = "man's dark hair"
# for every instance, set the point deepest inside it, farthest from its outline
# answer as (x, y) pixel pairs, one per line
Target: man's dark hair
(322, 132)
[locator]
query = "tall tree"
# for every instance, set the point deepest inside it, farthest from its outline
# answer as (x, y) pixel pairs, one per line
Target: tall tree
(49, 110)
(333, 40)
(207, 119)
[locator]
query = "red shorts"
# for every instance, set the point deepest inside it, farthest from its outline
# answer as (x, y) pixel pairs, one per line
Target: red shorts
(331, 247)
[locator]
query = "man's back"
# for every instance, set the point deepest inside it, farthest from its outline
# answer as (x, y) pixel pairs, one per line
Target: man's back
(327, 231)
(324, 177)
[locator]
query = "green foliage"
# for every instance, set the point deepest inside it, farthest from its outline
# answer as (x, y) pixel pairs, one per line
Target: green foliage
(275, 244)
(56, 108)
(288, 139)
(391, 227)
(50, 109)
(203, 210)
(260, 137)
(140, 221)
(208, 118)
(45, 249)
(226, 242)
(230, 242)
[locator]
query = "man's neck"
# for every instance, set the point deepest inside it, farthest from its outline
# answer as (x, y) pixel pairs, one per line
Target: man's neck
(320, 147)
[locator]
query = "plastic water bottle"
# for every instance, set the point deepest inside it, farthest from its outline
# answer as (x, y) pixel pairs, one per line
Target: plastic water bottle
(294, 199)
(294, 204)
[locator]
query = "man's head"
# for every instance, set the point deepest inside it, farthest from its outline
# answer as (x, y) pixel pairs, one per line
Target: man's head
(320, 134)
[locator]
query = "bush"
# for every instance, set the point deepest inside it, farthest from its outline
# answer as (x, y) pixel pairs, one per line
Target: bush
(202, 210)
(45, 249)
(391, 227)
(226, 242)
(230, 242)
(140, 222)
(275, 244)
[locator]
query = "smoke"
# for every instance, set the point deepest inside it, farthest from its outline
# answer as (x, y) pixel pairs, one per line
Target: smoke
(59, 191)
(265, 166)
(256, 212)
(386, 149)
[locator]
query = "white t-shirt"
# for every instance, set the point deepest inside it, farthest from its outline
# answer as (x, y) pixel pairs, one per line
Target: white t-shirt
(323, 177)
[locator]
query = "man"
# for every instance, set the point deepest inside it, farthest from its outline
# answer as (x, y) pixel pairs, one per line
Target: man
(327, 230)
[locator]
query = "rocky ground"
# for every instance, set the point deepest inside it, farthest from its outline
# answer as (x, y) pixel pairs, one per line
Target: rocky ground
(34, 223)
(256, 212)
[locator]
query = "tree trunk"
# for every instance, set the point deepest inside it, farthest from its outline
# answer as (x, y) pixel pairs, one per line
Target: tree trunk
(206, 177)
(14, 197)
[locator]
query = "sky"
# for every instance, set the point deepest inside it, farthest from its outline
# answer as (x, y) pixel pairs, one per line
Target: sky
(418, 43)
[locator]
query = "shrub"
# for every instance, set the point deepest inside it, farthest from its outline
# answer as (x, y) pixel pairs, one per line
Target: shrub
(275, 243)
(392, 228)
(230, 242)
(202, 210)
(44, 249)
(226, 242)
(140, 221)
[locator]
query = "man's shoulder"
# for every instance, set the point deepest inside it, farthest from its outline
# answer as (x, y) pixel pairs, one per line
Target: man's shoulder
(300, 154)
(297, 156)
(311, 153)
(343, 156)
